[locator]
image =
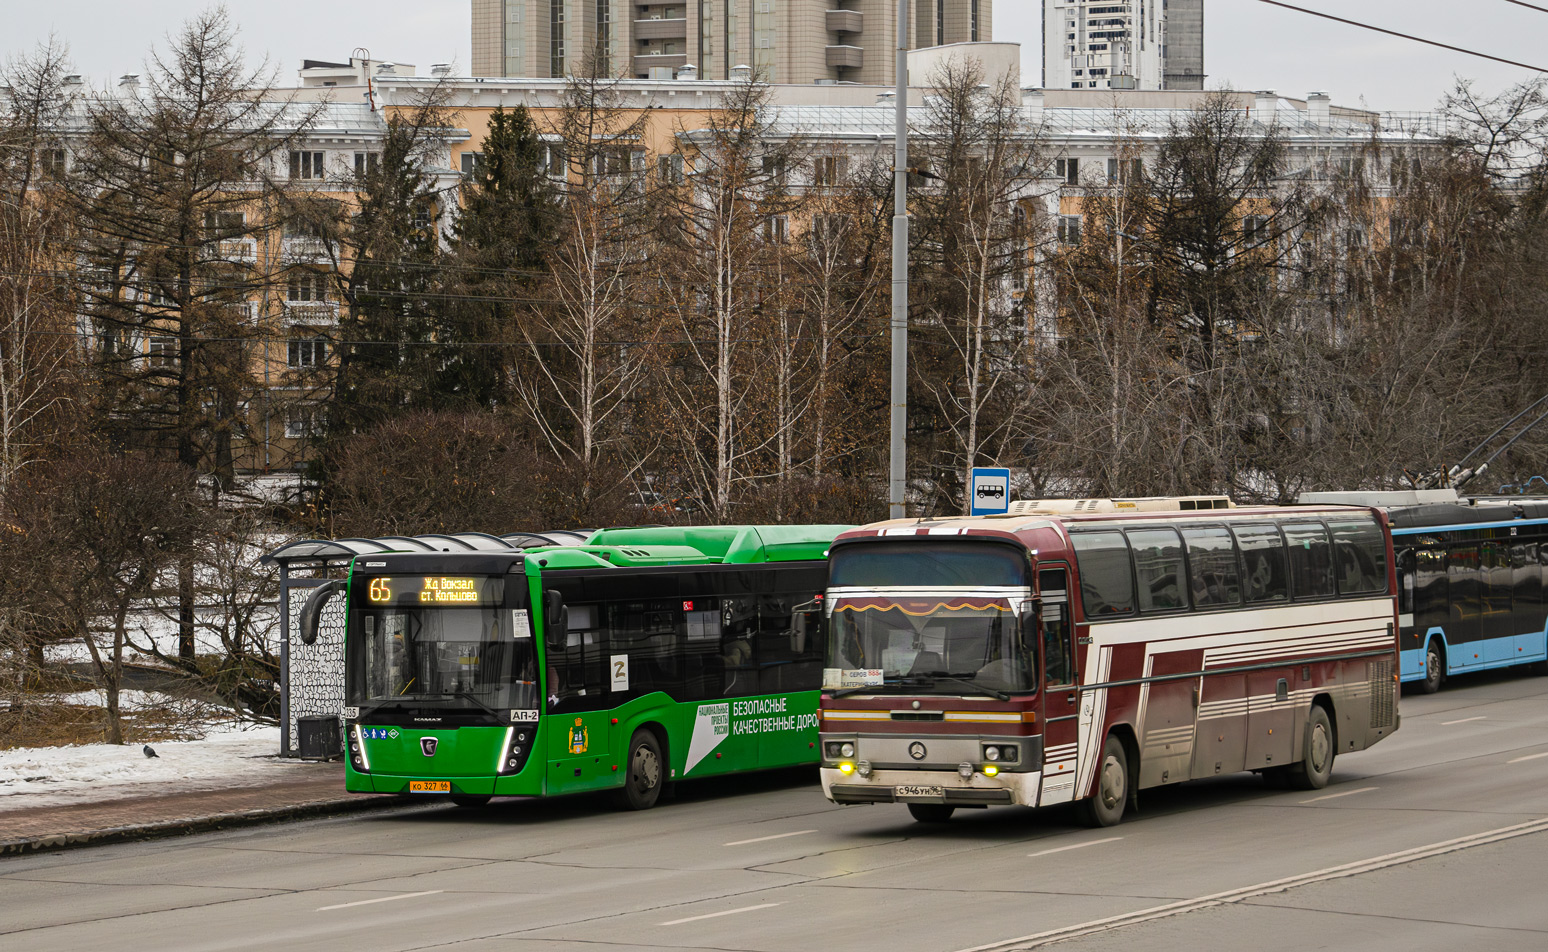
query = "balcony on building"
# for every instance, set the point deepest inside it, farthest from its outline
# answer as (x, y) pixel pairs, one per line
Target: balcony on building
(661, 29)
(845, 21)
(845, 57)
(644, 61)
(311, 312)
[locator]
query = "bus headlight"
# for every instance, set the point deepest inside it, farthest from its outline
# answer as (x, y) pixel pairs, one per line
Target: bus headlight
(846, 750)
(991, 753)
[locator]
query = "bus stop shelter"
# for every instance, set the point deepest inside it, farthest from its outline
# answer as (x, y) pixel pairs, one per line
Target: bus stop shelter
(312, 676)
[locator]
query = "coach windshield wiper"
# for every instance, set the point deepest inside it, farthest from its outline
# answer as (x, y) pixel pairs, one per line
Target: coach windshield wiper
(932, 679)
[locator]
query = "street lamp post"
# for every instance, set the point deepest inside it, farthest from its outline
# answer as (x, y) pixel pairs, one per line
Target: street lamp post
(898, 456)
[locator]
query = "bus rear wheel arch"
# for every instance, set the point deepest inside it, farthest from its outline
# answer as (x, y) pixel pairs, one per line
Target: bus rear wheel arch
(645, 771)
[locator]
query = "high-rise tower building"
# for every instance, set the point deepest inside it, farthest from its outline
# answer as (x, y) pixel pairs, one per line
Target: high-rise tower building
(785, 41)
(1123, 44)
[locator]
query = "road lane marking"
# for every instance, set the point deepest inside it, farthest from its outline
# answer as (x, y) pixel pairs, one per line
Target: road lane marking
(367, 902)
(1528, 757)
(762, 839)
(1061, 849)
(1464, 720)
(716, 915)
(1341, 793)
(1038, 939)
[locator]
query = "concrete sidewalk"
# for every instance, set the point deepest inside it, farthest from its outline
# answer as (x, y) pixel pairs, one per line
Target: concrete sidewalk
(311, 790)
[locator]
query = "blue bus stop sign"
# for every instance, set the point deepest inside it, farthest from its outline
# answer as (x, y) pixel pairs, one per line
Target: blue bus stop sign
(989, 491)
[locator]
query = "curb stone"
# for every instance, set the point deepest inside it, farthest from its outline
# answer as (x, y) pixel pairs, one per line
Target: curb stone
(195, 824)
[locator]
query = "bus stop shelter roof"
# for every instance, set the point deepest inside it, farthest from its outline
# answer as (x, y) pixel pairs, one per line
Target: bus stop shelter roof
(325, 550)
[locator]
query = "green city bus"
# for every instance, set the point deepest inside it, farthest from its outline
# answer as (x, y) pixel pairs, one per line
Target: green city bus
(645, 656)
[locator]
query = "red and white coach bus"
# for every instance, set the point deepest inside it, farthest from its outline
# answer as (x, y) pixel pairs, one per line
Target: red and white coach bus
(1081, 650)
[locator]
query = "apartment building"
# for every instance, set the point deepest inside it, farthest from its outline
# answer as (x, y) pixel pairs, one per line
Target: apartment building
(1123, 44)
(783, 41)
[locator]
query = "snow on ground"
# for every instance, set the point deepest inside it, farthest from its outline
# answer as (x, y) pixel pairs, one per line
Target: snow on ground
(229, 756)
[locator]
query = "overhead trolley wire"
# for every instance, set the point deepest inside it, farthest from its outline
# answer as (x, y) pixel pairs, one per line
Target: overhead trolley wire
(1410, 36)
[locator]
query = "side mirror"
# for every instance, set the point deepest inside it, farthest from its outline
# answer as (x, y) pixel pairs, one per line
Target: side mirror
(312, 609)
(556, 621)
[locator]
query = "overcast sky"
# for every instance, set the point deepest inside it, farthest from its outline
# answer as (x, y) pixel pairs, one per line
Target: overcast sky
(1249, 44)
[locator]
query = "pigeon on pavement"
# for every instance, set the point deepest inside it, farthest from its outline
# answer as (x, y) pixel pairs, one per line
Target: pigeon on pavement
(148, 751)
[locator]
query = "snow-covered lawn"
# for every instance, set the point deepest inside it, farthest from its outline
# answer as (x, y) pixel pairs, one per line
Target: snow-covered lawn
(229, 756)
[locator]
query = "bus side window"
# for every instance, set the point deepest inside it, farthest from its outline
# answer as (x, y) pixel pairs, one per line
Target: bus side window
(1311, 562)
(1158, 566)
(575, 681)
(1058, 666)
(1106, 582)
(1214, 573)
(1264, 573)
(1360, 555)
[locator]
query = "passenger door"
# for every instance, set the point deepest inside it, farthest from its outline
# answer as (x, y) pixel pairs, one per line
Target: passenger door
(1060, 694)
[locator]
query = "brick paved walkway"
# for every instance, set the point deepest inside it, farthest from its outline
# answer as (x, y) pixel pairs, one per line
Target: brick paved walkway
(311, 788)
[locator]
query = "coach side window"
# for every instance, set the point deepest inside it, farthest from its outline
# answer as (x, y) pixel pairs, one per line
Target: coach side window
(1361, 556)
(1213, 572)
(1311, 559)
(1264, 573)
(1106, 587)
(1158, 568)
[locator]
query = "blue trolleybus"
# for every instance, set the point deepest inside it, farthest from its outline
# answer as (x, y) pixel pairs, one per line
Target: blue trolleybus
(1472, 580)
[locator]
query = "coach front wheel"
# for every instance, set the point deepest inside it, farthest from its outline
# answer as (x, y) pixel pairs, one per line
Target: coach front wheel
(930, 812)
(1317, 753)
(1105, 806)
(643, 782)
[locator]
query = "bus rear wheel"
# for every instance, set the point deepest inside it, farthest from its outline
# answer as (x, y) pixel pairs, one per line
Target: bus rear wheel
(930, 812)
(1434, 668)
(643, 777)
(1318, 749)
(1105, 806)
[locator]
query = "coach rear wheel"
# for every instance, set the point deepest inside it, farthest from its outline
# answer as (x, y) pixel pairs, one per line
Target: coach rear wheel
(642, 783)
(1105, 806)
(930, 812)
(467, 800)
(1317, 753)
(1433, 668)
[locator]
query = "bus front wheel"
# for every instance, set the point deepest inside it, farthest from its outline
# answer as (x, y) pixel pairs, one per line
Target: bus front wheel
(469, 800)
(643, 780)
(1105, 806)
(930, 812)
(1434, 668)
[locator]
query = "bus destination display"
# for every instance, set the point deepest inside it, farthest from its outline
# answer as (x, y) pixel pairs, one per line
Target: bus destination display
(460, 590)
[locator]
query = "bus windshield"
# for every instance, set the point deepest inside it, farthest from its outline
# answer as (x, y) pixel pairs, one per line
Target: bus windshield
(442, 657)
(955, 645)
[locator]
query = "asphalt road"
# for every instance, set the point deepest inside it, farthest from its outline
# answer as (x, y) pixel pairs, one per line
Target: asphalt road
(1435, 839)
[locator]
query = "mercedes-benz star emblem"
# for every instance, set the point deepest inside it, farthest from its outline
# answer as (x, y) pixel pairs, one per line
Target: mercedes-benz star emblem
(427, 744)
(917, 750)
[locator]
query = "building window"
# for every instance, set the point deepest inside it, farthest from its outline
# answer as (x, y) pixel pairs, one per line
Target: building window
(827, 229)
(366, 163)
(604, 37)
(774, 169)
(306, 165)
(1124, 171)
(556, 35)
(1069, 230)
(163, 352)
(1254, 230)
(973, 26)
(670, 168)
(306, 352)
(224, 224)
(470, 163)
(553, 161)
(306, 286)
(424, 214)
(776, 228)
(300, 424)
(53, 161)
(1067, 170)
(829, 170)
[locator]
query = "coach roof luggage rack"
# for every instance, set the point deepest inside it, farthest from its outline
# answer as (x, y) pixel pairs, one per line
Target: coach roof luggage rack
(1038, 507)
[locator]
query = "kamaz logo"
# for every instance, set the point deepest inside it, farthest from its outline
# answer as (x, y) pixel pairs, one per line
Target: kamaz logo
(427, 744)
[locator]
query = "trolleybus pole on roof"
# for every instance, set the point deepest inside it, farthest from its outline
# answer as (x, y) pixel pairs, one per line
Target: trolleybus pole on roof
(898, 468)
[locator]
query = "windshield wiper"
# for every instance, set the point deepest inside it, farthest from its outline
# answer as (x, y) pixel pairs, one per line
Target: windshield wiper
(931, 679)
